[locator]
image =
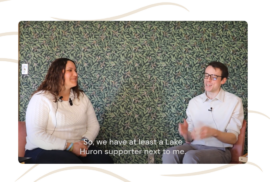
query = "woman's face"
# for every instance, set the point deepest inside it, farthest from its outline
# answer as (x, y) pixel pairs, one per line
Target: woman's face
(71, 76)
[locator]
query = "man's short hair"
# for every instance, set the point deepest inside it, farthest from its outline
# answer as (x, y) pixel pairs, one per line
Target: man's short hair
(222, 67)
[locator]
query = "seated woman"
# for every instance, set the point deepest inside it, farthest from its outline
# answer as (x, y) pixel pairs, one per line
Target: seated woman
(61, 121)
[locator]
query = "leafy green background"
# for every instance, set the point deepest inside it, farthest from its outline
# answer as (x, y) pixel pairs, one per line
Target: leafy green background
(139, 76)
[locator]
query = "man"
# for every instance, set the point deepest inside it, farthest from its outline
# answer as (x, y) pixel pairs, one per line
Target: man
(213, 123)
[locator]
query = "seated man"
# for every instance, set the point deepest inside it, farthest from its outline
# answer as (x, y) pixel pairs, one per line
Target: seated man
(213, 123)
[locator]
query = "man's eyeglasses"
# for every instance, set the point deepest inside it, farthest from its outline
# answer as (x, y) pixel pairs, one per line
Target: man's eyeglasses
(212, 77)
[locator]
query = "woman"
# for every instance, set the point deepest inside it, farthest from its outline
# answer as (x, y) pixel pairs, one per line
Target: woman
(61, 121)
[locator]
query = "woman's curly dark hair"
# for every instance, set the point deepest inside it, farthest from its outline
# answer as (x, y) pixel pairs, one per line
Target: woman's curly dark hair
(55, 78)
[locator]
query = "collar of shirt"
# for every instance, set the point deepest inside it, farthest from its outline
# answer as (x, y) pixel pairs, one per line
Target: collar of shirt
(220, 96)
(71, 95)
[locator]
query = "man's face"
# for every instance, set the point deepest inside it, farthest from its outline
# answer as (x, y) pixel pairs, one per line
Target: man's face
(210, 85)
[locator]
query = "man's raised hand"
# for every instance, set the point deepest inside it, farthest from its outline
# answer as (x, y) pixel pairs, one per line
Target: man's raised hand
(183, 128)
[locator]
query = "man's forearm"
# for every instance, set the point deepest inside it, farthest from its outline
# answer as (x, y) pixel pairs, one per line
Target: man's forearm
(225, 137)
(188, 137)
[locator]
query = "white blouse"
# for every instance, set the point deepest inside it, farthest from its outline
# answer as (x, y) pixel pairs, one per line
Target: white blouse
(50, 125)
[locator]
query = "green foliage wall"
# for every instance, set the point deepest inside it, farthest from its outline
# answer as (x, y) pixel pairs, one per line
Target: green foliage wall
(139, 76)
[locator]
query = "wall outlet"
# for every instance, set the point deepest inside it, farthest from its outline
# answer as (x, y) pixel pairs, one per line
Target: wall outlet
(243, 159)
(24, 69)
